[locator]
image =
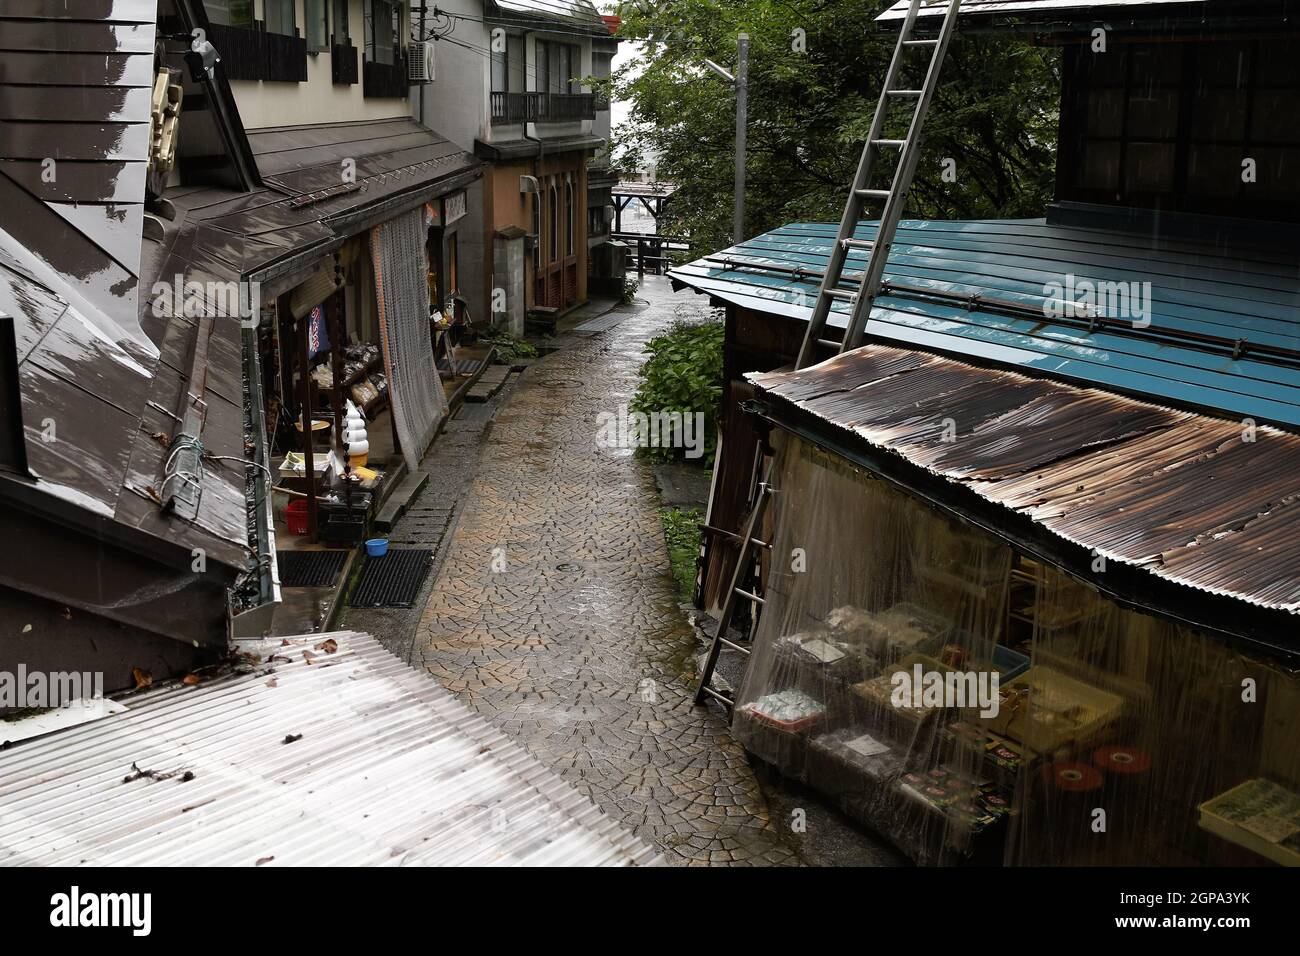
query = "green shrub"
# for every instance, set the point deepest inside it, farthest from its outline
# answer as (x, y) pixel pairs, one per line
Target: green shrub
(628, 294)
(683, 374)
(682, 533)
(510, 348)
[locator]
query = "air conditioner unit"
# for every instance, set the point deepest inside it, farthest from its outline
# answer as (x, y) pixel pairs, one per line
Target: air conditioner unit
(419, 62)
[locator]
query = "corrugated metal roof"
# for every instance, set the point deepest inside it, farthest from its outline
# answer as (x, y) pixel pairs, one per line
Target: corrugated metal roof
(390, 769)
(934, 8)
(1200, 294)
(580, 15)
(1180, 495)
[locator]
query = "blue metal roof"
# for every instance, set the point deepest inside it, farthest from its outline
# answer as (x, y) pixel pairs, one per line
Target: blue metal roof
(1200, 294)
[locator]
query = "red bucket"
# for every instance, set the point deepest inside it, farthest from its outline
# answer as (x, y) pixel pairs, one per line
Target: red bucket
(295, 516)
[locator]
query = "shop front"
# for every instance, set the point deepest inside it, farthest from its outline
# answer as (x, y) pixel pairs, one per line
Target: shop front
(348, 360)
(1027, 623)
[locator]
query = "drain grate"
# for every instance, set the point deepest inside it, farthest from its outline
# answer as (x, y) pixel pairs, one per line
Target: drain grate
(560, 383)
(310, 569)
(393, 580)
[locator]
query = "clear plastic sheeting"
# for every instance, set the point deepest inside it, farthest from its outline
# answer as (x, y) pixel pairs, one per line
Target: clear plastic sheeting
(973, 705)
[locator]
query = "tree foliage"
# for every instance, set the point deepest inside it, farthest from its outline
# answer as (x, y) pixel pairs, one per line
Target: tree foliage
(811, 100)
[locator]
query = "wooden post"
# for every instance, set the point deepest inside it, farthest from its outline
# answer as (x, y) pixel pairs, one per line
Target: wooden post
(305, 403)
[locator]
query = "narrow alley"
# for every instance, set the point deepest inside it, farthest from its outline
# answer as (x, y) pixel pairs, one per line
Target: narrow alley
(553, 612)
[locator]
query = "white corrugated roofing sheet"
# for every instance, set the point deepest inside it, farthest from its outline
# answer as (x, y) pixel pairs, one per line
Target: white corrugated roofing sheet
(390, 769)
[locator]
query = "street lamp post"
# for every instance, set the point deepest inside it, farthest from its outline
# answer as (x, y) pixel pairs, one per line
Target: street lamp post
(741, 82)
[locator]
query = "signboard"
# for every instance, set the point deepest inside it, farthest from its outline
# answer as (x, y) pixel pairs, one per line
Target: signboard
(453, 208)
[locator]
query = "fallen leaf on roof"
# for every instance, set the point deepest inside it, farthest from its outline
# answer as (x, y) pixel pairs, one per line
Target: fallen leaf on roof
(142, 678)
(329, 645)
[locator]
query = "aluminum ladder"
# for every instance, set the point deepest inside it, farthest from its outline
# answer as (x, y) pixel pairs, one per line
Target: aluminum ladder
(749, 545)
(892, 199)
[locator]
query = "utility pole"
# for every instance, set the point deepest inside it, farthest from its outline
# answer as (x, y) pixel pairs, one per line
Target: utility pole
(742, 108)
(740, 80)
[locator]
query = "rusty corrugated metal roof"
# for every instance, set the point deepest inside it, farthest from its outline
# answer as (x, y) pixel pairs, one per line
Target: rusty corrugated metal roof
(390, 770)
(1184, 496)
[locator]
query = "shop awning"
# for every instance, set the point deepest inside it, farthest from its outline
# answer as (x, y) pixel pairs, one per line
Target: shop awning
(307, 208)
(1165, 497)
(326, 750)
(1222, 333)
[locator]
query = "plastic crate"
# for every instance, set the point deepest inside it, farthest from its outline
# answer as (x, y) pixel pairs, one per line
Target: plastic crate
(1045, 710)
(1260, 815)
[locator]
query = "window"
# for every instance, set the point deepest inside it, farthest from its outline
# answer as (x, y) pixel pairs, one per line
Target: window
(230, 13)
(341, 34)
(568, 218)
(318, 24)
(508, 66)
(280, 17)
(381, 31)
(555, 224)
(500, 71)
(517, 62)
(557, 66)
(1170, 125)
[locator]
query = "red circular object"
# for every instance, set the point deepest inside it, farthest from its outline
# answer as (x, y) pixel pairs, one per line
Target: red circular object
(1071, 777)
(1121, 760)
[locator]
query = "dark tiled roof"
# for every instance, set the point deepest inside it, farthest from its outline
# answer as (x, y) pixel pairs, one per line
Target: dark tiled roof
(94, 363)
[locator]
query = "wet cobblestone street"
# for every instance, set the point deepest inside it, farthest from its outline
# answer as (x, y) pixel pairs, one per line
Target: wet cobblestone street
(553, 611)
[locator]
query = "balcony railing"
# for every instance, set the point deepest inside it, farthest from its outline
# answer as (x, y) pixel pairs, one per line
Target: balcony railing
(515, 108)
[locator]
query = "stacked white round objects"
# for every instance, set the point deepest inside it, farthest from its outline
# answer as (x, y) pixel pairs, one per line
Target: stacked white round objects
(356, 441)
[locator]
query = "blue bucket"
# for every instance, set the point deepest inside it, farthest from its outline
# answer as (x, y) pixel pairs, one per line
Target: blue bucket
(377, 547)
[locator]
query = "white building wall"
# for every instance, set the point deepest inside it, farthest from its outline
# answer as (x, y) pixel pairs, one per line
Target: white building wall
(319, 100)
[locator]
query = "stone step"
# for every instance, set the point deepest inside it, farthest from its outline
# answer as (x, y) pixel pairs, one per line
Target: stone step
(487, 386)
(399, 501)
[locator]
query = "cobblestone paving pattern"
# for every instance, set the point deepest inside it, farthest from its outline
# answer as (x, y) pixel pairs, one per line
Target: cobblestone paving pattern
(575, 643)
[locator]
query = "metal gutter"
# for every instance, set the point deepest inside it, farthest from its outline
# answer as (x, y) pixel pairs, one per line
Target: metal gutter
(256, 621)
